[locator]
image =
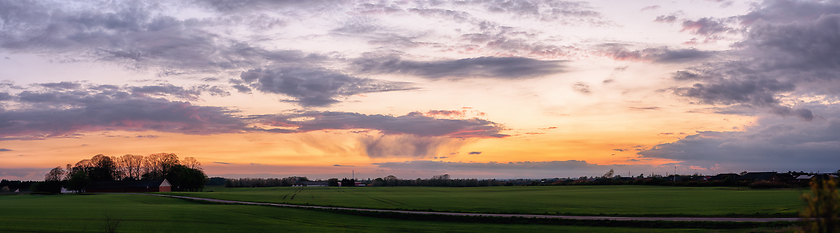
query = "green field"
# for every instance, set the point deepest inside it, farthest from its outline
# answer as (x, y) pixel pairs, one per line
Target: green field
(138, 213)
(622, 200)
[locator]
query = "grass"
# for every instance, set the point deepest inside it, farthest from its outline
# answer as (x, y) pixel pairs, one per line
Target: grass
(625, 200)
(139, 213)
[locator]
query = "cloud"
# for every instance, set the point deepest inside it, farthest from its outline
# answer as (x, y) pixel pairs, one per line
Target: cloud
(447, 113)
(315, 87)
(242, 88)
(62, 112)
(475, 152)
(4, 149)
(566, 12)
(237, 6)
(407, 146)
(23, 174)
(648, 8)
(177, 91)
(225, 163)
(645, 108)
(666, 19)
(781, 11)
(133, 114)
(134, 35)
(414, 123)
(61, 85)
(581, 88)
(708, 27)
(773, 144)
(657, 55)
(526, 169)
(777, 63)
(5, 96)
(480, 67)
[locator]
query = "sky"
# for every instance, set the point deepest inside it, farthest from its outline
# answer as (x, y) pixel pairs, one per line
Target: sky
(472, 88)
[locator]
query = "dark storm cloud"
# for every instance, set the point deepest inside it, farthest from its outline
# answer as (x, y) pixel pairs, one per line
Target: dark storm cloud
(61, 85)
(657, 55)
(234, 6)
(5, 96)
(315, 87)
(116, 114)
(90, 108)
(414, 123)
(707, 26)
(786, 56)
(771, 145)
(58, 112)
(784, 11)
(759, 93)
(242, 88)
(178, 91)
(481, 67)
(132, 34)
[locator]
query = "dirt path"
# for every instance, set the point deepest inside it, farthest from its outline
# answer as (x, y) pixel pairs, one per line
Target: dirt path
(698, 219)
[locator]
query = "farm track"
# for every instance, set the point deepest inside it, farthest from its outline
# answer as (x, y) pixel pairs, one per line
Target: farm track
(679, 219)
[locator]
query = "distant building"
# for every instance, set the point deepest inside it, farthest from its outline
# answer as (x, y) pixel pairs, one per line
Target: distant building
(767, 176)
(129, 186)
(315, 183)
(724, 176)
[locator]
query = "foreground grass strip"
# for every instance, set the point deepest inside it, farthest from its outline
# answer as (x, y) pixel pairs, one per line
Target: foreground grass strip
(621, 200)
(142, 213)
(666, 222)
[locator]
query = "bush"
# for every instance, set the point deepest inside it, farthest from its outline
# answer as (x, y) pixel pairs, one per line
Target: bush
(822, 213)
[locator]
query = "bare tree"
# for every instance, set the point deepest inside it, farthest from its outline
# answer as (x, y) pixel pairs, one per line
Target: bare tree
(132, 166)
(56, 174)
(159, 165)
(191, 163)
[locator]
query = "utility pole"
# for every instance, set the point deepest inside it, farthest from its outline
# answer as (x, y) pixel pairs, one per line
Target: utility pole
(675, 173)
(354, 175)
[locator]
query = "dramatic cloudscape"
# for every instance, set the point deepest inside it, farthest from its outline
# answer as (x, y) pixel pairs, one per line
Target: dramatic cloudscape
(471, 88)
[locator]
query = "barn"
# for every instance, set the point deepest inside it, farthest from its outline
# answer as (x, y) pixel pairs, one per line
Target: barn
(129, 186)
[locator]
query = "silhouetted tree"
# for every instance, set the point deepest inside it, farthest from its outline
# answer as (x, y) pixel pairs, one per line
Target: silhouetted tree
(56, 174)
(78, 180)
(132, 166)
(332, 182)
(158, 166)
(191, 163)
(103, 168)
(184, 178)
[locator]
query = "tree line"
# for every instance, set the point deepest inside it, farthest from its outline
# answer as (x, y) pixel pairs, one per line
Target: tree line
(437, 181)
(183, 175)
